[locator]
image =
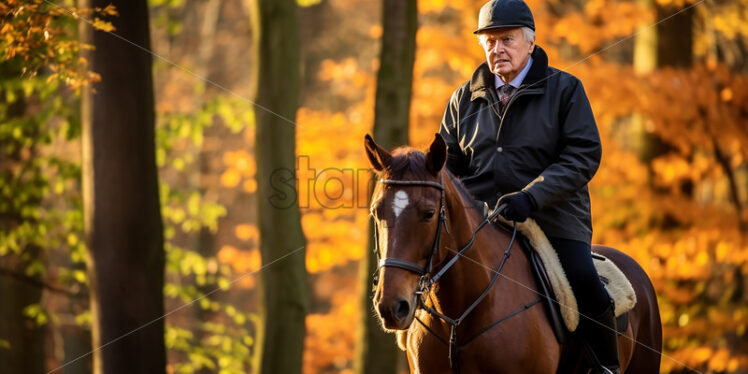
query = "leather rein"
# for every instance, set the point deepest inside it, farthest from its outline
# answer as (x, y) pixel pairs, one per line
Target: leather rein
(427, 280)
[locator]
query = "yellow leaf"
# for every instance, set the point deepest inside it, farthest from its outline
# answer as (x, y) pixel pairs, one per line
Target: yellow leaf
(246, 232)
(230, 178)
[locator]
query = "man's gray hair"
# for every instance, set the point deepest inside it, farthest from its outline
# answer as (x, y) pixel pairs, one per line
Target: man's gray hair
(527, 32)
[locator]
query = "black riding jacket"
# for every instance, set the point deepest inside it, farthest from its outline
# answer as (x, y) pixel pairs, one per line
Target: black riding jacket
(546, 143)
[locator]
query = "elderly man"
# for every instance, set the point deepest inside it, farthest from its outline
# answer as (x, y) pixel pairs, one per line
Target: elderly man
(525, 131)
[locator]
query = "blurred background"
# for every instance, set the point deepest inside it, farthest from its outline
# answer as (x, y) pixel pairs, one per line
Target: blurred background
(671, 103)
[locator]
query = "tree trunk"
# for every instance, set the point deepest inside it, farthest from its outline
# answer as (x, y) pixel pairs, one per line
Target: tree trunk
(648, 145)
(76, 338)
(283, 279)
(76, 341)
(26, 351)
(395, 76)
(645, 43)
(724, 161)
(376, 351)
(675, 37)
(669, 44)
(124, 237)
(674, 49)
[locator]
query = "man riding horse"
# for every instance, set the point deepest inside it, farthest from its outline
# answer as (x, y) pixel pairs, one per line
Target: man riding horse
(524, 131)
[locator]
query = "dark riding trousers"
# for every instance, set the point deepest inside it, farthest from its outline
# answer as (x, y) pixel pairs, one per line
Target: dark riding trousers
(576, 259)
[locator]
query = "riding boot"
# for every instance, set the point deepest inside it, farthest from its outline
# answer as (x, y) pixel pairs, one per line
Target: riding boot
(602, 338)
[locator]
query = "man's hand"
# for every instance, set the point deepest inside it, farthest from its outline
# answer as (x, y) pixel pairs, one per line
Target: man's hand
(518, 206)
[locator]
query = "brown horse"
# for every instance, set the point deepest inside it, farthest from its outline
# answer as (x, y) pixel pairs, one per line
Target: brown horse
(465, 314)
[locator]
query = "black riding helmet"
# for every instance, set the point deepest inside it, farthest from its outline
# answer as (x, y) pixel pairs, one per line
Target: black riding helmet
(498, 14)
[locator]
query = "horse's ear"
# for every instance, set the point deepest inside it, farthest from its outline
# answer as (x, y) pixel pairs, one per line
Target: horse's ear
(437, 155)
(379, 158)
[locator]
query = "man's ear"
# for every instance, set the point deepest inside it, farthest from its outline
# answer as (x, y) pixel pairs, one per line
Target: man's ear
(437, 155)
(379, 158)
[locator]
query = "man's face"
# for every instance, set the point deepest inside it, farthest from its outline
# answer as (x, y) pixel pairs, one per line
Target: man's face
(507, 51)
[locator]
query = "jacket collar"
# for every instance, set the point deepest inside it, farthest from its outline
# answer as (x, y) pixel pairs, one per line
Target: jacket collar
(483, 79)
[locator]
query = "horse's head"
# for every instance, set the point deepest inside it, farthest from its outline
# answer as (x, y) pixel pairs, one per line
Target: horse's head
(406, 206)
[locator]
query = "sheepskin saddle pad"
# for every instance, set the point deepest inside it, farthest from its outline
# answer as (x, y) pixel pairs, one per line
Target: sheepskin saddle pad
(618, 285)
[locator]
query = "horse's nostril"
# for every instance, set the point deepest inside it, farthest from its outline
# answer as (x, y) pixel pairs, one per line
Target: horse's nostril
(402, 308)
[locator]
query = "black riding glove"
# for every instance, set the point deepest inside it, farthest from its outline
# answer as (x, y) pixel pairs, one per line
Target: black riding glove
(518, 206)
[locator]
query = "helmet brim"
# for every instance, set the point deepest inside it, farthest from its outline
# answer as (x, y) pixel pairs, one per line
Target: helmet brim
(482, 29)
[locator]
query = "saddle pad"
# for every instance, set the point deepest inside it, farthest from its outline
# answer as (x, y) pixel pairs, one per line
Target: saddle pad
(618, 285)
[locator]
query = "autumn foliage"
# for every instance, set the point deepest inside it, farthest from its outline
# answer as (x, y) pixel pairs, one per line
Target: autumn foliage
(676, 214)
(671, 189)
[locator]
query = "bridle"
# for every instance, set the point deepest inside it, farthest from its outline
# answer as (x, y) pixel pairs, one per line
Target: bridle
(427, 280)
(423, 271)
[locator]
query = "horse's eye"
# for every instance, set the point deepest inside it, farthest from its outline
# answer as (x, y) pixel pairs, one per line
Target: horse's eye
(428, 215)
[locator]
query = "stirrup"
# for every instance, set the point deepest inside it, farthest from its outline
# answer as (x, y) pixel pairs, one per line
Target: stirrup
(595, 366)
(605, 371)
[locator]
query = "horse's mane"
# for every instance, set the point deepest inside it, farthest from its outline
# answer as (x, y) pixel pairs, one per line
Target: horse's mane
(410, 160)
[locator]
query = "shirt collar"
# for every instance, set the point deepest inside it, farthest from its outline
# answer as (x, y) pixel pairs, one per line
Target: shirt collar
(517, 81)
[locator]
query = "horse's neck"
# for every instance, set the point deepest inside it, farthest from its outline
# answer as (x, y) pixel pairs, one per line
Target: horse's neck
(469, 276)
(465, 218)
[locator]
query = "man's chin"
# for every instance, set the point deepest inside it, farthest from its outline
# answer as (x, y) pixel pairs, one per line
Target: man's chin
(500, 69)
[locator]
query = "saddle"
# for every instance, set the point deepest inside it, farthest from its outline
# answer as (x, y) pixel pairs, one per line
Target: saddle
(555, 288)
(553, 308)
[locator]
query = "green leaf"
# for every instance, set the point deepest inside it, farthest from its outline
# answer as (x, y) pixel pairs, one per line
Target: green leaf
(36, 313)
(193, 204)
(201, 361)
(178, 164)
(223, 283)
(83, 319)
(178, 215)
(36, 267)
(307, 3)
(10, 96)
(72, 239)
(79, 275)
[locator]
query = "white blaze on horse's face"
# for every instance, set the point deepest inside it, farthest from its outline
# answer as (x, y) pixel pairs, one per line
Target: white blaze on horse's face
(399, 202)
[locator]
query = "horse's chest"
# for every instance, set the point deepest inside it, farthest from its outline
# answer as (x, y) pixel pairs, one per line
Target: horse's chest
(497, 351)
(426, 353)
(430, 355)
